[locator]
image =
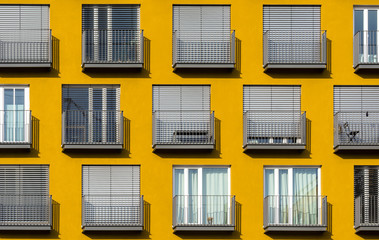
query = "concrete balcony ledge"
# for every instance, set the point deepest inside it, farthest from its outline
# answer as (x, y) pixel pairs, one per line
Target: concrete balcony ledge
(25, 228)
(112, 228)
(295, 229)
(355, 147)
(183, 146)
(46, 65)
(367, 228)
(204, 228)
(271, 66)
(366, 66)
(26, 146)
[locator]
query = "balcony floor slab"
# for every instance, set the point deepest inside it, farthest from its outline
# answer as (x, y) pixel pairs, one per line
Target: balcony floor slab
(183, 146)
(274, 146)
(269, 66)
(355, 147)
(203, 65)
(367, 228)
(295, 229)
(363, 66)
(25, 228)
(25, 65)
(14, 146)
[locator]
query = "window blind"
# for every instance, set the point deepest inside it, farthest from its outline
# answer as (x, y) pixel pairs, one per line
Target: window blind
(356, 98)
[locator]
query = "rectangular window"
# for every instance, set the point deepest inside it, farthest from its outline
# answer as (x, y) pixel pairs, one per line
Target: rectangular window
(201, 34)
(293, 195)
(15, 118)
(111, 195)
(202, 195)
(91, 113)
(111, 33)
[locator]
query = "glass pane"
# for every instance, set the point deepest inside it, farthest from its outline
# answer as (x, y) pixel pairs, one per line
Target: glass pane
(283, 196)
(305, 202)
(358, 21)
(179, 194)
(193, 196)
(372, 36)
(269, 182)
(19, 115)
(9, 115)
(215, 197)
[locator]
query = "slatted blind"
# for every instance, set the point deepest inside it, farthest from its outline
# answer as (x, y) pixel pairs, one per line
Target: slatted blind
(24, 180)
(116, 17)
(111, 180)
(183, 97)
(199, 30)
(271, 98)
(292, 18)
(17, 17)
(356, 98)
(90, 97)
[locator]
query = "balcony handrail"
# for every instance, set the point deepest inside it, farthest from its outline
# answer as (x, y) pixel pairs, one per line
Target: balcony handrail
(118, 46)
(191, 210)
(106, 217)
(20, 127)
(273, 207)
(221, 54)
(293, 52)
(365, 47)
(92, 127)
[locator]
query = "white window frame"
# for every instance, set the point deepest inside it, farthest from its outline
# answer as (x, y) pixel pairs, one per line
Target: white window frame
(200, 188)
(26, 108)
(365, 28)
(290, 188)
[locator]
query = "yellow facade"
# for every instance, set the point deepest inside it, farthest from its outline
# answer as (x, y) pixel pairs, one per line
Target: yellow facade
(337, 175)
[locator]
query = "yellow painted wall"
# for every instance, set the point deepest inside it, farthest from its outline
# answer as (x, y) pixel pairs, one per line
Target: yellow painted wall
(226, 101)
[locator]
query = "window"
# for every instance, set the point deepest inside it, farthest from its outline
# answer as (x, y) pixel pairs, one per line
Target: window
(24, 34)
(366, 29)
(15, 117)
(182, 115)
(293, 195)
(24, 195)
(201, 34)
(202, 195)
(91, 114)
(273, 115)
(356, 112)
(292, 34)
(111, 34)
(111, 196)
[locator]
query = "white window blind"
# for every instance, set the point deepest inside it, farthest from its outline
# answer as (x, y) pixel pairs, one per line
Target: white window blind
(24, 17)
(356, 99)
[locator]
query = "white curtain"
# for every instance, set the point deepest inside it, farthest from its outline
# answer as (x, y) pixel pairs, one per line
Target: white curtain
(193, 196)
(283, 196)
(305, 202)
(215, 199)
(269, 194)
(14, 119)
(179, 193)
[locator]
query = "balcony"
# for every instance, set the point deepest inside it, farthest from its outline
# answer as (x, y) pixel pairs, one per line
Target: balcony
(294, 49)
(25, 48)
(85, 129)
(15, 129)
(112, 48)
(274, 130)
(356, 131)
(203, 213)
(183, 129)
(366, 216)
(25, 212)
(216, 50)
(112, 213)
(365, 50)
(295, 213)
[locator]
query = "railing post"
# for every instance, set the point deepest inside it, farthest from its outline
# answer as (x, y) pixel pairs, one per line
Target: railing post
(174, 212)
(142, 48)
(63, 127)
(233, 211)
(142, 212)
(233, 47)
(121, 122)
(83, 47)
(325, 212)
(83, 212)
(212, 127)
(50, 48)
(265, 211)
(265, 48)
(153, 133)
(51, 210)
(357, 212)
(30, 140)
(304, 128)
(174, 49)
(244, 140)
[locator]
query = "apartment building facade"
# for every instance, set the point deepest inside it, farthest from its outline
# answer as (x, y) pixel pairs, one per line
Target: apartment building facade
(189, 119)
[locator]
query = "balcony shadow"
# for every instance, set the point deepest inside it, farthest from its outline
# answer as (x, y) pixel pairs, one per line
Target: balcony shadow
(29, 235)
(126, 145)
(56, 208)
(208, 73)
(278, 153)
(146, 217)
(238, 218)
(306, 73)
(19, 153)
(117, 73)
(35, 134)
(217, 136)
(330, 219)
(308, 147)
(117, 235)
(97, 153)
(146, 54)
(368, 235)
(238, 52)
(55, 55)
(358, 154)
(368, 73)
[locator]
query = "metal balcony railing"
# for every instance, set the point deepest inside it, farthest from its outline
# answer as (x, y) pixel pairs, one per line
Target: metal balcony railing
(274, 129)
(112, 46)
(183, 127)
(365, 49)
(27, 46)
(358, 130)
(22, 212)
(298, 213)
(101, 212)
(203, 211)
(298, 48)
(366, 216)
(15, 128)
(193, 48)
(87, 127)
